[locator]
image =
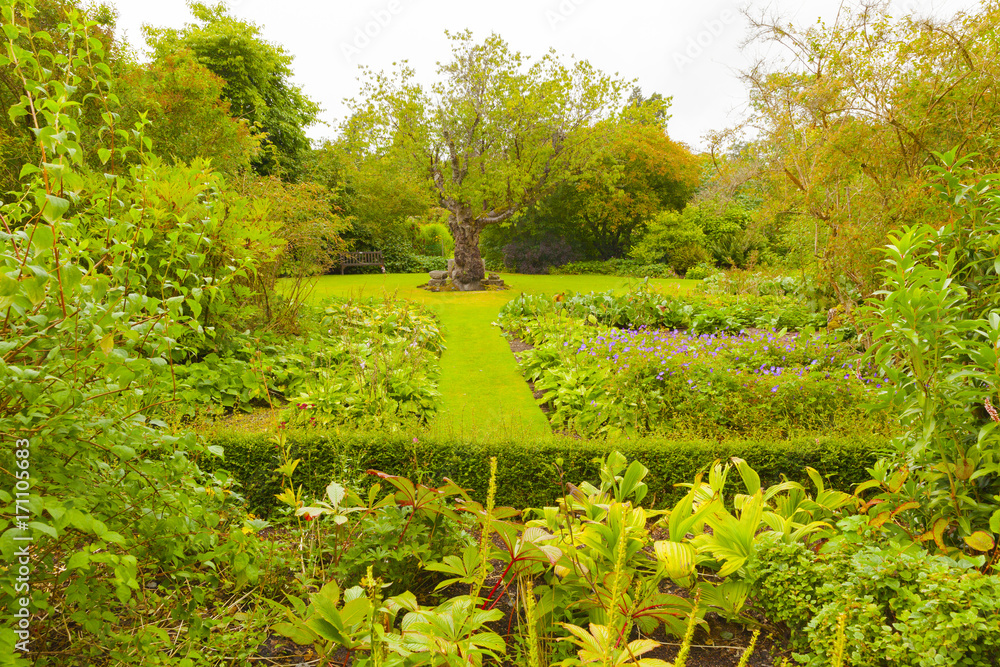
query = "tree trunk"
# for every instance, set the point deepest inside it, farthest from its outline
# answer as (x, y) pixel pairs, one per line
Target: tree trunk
(469, 269)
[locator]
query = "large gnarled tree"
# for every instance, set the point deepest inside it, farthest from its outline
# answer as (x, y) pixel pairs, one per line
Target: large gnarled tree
(496, 133)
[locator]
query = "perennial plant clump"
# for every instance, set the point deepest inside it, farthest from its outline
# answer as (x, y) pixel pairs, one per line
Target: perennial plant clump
(603, 380)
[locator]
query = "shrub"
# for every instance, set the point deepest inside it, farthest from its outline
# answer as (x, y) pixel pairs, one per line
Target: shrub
(899, 607)
(615, 267)
(525, 476)
(674, 239)
(434, 240)
(700, 271)
(106, 283)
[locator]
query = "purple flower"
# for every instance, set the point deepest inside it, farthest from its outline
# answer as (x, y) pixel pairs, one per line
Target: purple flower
(774, 389)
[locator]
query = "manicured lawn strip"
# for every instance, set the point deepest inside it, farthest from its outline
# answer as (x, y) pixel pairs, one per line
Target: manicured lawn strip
(483, 392)
(525, 465)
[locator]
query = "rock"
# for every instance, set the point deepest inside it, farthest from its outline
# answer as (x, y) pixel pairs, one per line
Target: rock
(437, 282)
(494, 276)
(467, 286)
(438, 275)
(451, 265)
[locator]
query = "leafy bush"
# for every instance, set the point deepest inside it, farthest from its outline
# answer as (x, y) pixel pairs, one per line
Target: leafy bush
(700, 271)
(899, 607)
(790, 584)
(936, 335)
(106, 284)
(434, 240)
(615, 267)
(673, 239)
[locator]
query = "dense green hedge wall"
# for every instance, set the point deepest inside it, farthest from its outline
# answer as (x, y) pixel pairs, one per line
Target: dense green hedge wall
(525, 471)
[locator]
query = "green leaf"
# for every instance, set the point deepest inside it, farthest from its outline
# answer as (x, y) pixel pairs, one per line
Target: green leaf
(124, 452)
(298, 634)
(54, 208)
(43, 528)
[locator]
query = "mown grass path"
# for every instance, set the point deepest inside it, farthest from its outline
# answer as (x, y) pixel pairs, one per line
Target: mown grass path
(483, 392)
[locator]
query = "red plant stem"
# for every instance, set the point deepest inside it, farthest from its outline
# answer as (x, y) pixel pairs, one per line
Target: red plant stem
(496, 585)
(500, 594)
(407, 526)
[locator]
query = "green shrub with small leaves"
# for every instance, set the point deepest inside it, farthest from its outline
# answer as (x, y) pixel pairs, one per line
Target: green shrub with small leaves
(902, 607)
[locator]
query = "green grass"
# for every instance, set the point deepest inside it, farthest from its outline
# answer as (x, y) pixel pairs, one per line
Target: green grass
(483, 392)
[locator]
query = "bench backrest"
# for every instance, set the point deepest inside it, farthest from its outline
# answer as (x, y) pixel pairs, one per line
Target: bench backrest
(361, 257)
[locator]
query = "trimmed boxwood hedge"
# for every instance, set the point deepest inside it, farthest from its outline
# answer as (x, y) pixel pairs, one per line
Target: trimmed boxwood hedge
(526, 476)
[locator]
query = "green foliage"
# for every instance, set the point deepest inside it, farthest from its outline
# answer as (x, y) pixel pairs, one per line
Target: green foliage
(935, 336)
(257, 77)
(635, 174)
(368, 362)
(188, 116)
(672, 238)
(95, 314)
(644, 307)
(525, 474)
(615, 267)
(700, 271)
(196, 243)
(789, 582)
(600, 381)
(453, 633)
(435, 240)
(587, 569)
(301, 220)
(900, 607)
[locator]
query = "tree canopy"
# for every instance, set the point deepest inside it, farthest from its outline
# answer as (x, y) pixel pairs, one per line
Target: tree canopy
(257, 77)
(848, 126)
(496, 133)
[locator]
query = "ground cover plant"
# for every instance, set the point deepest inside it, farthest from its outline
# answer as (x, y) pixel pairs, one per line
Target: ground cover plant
(366, 362)
(646, 306)
(600, 380)
(650, 376)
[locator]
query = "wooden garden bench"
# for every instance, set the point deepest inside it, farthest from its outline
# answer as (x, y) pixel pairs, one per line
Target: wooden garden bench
(361, 258)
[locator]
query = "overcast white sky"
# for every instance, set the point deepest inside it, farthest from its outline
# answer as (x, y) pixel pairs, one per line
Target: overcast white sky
(689, 50)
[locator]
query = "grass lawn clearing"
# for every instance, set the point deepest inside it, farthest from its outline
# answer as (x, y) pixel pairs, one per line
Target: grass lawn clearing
(483, 391)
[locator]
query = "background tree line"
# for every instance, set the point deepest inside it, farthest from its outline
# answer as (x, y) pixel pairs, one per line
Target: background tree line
(830, 158)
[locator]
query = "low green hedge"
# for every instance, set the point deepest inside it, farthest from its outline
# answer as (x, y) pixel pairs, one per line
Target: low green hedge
(526, 477)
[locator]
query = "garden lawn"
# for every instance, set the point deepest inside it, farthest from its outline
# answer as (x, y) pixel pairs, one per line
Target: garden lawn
(483, 392)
